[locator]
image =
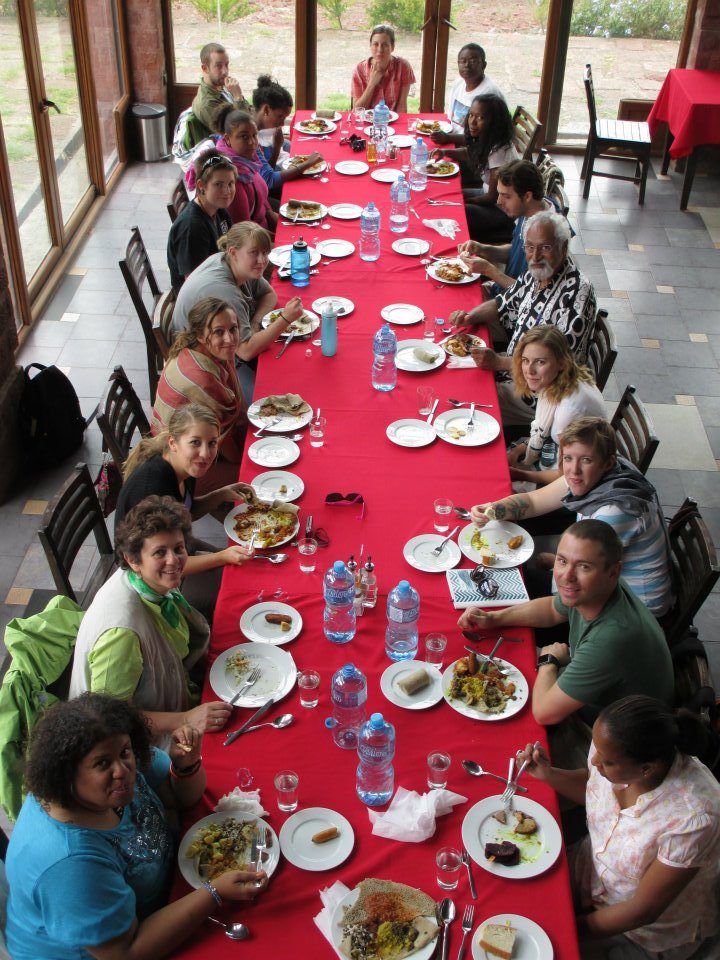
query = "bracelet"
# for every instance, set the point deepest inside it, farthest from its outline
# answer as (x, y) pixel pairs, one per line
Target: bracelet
(182, 772)
(285, 318)
(212, 890)
(547, 658)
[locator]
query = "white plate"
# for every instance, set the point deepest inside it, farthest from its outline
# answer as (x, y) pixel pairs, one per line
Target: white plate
(480, 827)
(336, 116)
(187, 864)
(230, 530)
(276, 679)
(445, 126)
(291, 216)
(496, 535)
(352, 168)
(522, 692)
(405, 358)
(411, 246)
(311, 171)
(255, 627)
(308, 318)
(443, 176)
(274, 452)
(421, 700)
(334, 247)
(267, 485)
(386, 174)
(411, 433)
(418, 553)
(279, 256)
(476, 342)
(402, 313)
(330, 128)
(345, 211)
(343, 306)
(486, 427)
(299, 829)
(369, 131)
(467, 278)
(283, 425)
(337, 933)
(402, 140)
(531, 942)
(392, 116)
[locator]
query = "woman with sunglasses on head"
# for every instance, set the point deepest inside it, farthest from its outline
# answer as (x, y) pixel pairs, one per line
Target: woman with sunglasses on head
(645, 878)
(194, 234)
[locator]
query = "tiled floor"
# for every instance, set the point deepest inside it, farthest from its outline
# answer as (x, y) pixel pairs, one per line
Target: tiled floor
(656, 270)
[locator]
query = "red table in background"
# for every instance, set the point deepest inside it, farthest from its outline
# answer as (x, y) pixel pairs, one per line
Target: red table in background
(689, 102)
(399, 486)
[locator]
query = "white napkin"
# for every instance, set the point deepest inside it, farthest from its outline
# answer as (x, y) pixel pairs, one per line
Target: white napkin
(446, 228)
(331, 897)
(460, 363)
(240, 800)
(411, 817)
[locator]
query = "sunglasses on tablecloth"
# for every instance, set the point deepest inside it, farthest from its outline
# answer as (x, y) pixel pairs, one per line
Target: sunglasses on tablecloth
(346, 500)
(487, 585)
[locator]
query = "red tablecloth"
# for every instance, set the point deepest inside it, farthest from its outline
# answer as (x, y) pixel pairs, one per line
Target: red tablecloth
(689, 102)
(399, 486)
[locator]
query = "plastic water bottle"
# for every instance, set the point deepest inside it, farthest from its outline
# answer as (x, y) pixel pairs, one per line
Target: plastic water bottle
(328, 329)
(384, 371)
(348, 693)
(403, 610)
(381, 117)
(399, 205)
(300, 264)
(418, 165)
(339, 614)
(376, 750)
(370, 233)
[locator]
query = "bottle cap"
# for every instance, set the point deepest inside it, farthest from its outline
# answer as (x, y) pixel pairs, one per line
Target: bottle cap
(377, 720)
(403, 587)
(371, 205)
(300, 244)
(369, 565)
(348, 670)
(338, 566)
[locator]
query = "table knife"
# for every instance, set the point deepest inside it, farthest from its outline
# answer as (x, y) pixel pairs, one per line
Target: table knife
(284, 347)
(308, 526)
(432, 412)
(260, 712)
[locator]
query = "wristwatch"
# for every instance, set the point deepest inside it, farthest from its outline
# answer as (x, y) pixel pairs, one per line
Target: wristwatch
(547, 658)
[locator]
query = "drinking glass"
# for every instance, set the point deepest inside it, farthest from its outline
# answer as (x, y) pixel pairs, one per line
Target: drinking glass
(429, 328)
(309, 685)
(359, 118)
(307, 550)
(448, 861)
(438, 765)
(435, 644)
(317, 431)
(443, 509)
(244, 777)
(286, 785)
(425, 396)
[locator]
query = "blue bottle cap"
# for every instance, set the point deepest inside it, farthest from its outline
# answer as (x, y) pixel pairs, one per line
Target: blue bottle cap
(403, 586)
(371, 205)
(338, 566)
(348, 670)
(377, 720)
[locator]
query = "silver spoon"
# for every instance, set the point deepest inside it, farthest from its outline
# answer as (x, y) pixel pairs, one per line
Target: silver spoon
(465, 403)
(279, 722)
(447, 915)
(463, 513)
(475, 770)
(273, 558)
(235, 931)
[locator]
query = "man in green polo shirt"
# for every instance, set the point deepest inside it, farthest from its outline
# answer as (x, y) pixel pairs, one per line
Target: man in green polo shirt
(216, 88)
(616, 647)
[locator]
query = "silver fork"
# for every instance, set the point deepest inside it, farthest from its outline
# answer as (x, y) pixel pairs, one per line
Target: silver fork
(466, 860)
(509, 791)
(251, 678)
(266, 426)
(467, 922)
(443, 203)
(511, 788)
(471, 424)
(260, 845)
(441, 546)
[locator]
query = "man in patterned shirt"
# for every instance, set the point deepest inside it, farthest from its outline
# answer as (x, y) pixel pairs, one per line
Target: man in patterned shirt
(551, 291)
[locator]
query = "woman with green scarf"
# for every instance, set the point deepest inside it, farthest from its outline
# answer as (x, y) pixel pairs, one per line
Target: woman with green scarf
(140, 640)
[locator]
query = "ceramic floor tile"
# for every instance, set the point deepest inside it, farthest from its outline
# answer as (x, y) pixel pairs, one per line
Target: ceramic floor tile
(35, 508)
(683, 439)
(19, 596)
(661, 328)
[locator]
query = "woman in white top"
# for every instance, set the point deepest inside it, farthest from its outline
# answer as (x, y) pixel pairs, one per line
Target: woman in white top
(644, 879)
(544, 366)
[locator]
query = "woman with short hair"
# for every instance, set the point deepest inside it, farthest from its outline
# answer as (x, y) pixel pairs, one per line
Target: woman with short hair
(383, 76)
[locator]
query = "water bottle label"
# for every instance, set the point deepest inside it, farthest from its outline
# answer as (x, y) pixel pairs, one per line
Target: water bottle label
(343, 698)
(385, 348)
(402, 616)
(339, 596)
(375, 753)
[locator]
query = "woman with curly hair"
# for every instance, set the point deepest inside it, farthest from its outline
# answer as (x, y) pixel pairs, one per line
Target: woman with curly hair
(91, 857)
(140, 639)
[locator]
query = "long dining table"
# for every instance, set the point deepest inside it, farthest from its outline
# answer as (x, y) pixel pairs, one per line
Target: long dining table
(398, 486)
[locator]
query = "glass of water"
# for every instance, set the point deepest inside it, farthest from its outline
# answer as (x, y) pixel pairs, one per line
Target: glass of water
(286, 785)
(307, 554)
(435, 644)
(309, 686)
(443, 509)
(317, 431)
(438, 765)
(448, 861)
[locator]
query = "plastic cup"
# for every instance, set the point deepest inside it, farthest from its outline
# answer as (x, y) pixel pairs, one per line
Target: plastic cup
(435, 644)
(317, 431)
(448, 861)
(286, 785)
(307, 554)
(443, 509)
(309, 685)
(438, 765)
(425, 396)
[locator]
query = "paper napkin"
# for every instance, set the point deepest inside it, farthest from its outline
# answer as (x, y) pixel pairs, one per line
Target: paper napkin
(247, 801)
(446, 228)
(331, 897)
(411, 817)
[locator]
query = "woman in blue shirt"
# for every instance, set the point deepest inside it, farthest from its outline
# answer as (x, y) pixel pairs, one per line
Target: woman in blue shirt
(90, 860)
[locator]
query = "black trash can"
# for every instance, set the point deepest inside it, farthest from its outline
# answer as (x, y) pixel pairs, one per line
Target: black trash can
(151, 121)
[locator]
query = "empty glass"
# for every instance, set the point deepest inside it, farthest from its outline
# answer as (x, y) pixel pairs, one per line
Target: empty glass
(425, 397)
(359, 118)
(429, 328)
(443, 509)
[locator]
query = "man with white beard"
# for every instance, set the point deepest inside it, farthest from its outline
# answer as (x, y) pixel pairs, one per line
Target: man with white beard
(551, 291)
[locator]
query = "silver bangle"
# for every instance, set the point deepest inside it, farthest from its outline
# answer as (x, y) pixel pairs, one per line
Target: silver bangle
(212, 890)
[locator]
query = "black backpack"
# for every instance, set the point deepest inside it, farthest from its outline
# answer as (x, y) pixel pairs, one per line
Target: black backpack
(51, 422)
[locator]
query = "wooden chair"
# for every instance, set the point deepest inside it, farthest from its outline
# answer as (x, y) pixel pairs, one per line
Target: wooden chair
(69, 519)
(614, 140)
(527, 131)
(553, 180)
(602, 350)
(120, 415)
(162, 318)
(137, 269)
(695, 570)
(178, 200)
(636, 439)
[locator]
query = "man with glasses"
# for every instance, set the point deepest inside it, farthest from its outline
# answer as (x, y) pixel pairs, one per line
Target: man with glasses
(472, 82)
(552, 290)
(216, 89)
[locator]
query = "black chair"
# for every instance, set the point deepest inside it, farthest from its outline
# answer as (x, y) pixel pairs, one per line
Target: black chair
(179, 199)
(553, 181)
(526, 133)
(162, 318)
(634, 430)
(120, 416)
(602, 351)
(614, 140)
(69, 520)
(137, 270)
